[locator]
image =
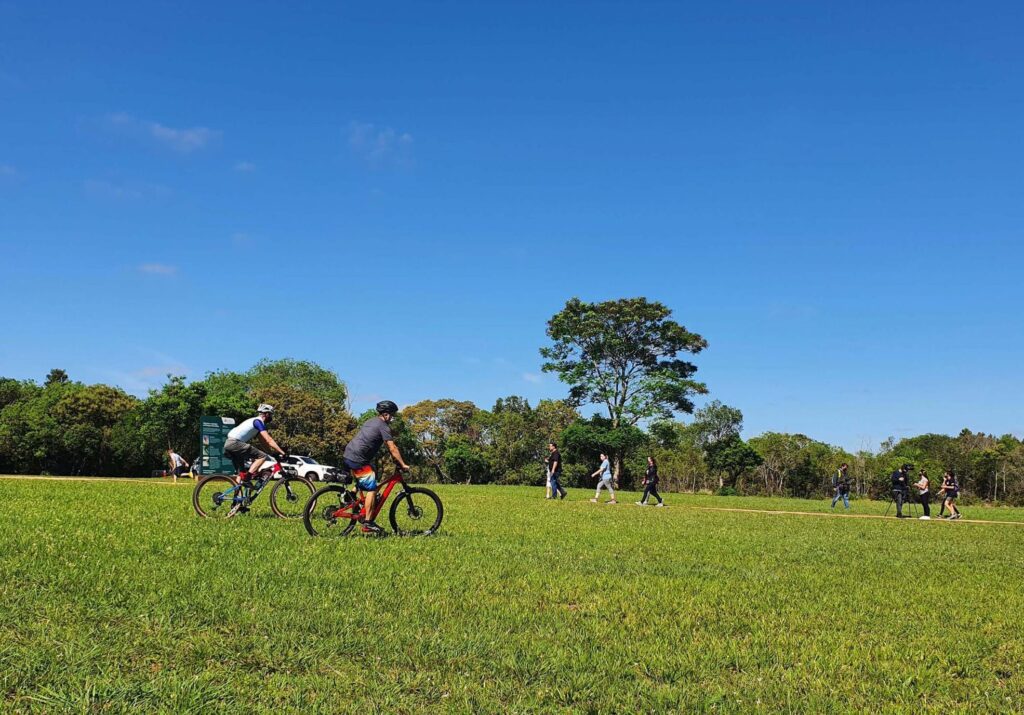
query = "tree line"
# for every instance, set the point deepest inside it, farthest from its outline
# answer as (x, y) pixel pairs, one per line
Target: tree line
(65, 427)
(626, 357)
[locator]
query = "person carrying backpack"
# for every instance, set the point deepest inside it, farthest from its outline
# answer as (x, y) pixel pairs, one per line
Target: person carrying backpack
(841, 485)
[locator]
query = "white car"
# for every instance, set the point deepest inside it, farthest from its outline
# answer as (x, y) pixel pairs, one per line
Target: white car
(306, 467)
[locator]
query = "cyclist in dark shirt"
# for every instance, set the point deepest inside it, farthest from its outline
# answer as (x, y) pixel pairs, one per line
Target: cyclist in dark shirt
(362, 451)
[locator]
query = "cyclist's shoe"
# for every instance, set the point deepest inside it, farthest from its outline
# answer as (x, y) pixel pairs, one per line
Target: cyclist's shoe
(372, 527)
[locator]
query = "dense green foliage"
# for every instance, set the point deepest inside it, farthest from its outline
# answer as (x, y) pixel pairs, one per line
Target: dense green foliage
(624, 356)
(65, 427)
(129, 602)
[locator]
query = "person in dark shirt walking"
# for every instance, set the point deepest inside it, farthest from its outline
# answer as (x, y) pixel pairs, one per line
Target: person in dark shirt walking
(554, 462)
(841, 483)
(950, 490)
(900, 489)
(651, 484)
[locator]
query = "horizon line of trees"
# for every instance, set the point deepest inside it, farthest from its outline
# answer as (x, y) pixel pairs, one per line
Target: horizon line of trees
(66, 427)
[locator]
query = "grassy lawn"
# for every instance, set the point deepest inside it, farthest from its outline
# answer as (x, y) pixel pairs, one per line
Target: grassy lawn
(115, 597)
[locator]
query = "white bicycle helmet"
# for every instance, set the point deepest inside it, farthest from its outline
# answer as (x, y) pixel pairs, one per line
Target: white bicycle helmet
(265, 409)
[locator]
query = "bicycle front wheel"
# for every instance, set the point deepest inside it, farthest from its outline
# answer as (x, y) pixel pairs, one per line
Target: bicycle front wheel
(289, 496)
(331, 512)
(217, 497)
(416, 512)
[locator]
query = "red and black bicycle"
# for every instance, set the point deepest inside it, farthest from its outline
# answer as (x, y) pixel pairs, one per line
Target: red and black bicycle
(335, 510)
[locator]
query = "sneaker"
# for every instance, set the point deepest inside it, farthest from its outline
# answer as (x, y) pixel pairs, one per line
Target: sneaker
(611, 501)
(661, 503)
(640, 503)
(594, 500)
(956, 516)
(924, 517)
(372, 527)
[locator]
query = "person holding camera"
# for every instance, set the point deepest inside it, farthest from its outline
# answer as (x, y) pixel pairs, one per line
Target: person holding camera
(841, 483)
(900, 489)
(950, 490)
(923, 494)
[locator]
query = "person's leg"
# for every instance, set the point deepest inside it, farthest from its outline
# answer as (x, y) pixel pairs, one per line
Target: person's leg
(846, 500)
(926, 506)
(612, 492)
(647, 493)
(654, 493)
(835, 499)
(898, 497)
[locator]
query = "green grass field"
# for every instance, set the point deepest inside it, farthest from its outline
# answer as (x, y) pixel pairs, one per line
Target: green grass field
(115, 598)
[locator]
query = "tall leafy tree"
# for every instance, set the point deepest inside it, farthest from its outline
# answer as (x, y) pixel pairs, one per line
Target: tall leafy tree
(626, 356)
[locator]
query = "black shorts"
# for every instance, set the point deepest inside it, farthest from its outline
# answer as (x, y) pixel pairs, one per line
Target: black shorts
(179, 470)
(952, 495)
(242, 454)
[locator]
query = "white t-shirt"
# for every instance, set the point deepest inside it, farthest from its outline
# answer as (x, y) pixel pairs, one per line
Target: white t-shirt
(247, 430)
(177, 459)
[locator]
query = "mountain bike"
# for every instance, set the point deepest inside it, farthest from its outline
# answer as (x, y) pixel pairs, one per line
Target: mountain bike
(335, 510)
(221, 497)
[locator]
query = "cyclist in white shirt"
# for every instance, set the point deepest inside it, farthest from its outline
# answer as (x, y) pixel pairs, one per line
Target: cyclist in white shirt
(237, 446)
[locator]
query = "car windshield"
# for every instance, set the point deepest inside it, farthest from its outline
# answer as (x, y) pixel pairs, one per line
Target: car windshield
(309, 460)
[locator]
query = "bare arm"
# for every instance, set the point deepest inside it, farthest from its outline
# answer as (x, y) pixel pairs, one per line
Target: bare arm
(393, 448)
(269, 441)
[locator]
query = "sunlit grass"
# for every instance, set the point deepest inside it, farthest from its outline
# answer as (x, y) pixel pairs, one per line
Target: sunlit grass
(116, 597)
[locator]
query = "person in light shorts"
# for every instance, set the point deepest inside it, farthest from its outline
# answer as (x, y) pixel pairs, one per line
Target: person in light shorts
(604, 475)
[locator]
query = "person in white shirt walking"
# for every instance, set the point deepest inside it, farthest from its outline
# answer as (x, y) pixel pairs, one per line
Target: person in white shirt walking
(604, 474)
(178, 464)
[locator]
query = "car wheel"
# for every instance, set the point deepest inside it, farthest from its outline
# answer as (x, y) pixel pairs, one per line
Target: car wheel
(313, 477)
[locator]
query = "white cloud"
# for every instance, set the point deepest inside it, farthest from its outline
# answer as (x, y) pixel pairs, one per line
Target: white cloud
(380, 146)
(181, 140)
(532, 377)
(158, 269)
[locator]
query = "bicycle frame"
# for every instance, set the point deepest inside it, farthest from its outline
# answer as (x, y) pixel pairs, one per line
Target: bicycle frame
(246, 491)
(354, 509)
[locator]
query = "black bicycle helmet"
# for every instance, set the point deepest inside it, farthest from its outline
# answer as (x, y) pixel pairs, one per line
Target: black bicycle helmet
(387, 407)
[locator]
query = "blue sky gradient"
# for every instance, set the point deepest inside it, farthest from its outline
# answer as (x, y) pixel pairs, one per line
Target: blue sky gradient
(406, 192)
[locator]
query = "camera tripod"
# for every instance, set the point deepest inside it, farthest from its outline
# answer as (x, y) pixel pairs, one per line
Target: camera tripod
(914, 511)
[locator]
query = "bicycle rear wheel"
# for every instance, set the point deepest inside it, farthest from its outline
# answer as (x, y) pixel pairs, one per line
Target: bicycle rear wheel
(217, 497)
(416, 512)
(330, 511)
(289, 496)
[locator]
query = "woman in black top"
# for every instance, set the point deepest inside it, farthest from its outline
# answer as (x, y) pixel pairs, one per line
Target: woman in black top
(651, 484)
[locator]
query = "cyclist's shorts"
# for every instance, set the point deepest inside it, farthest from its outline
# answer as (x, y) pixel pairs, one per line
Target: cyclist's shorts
(240, 453)
(366, 480)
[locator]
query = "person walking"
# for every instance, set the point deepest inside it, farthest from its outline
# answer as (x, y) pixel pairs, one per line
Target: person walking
(651, 484)
(178, 464)
(604, 481)
(554, 461)
(841, 484)
(900, 489)
(923, 494)
(950, 490)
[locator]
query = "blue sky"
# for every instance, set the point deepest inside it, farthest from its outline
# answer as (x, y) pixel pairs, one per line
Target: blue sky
(405, 192)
